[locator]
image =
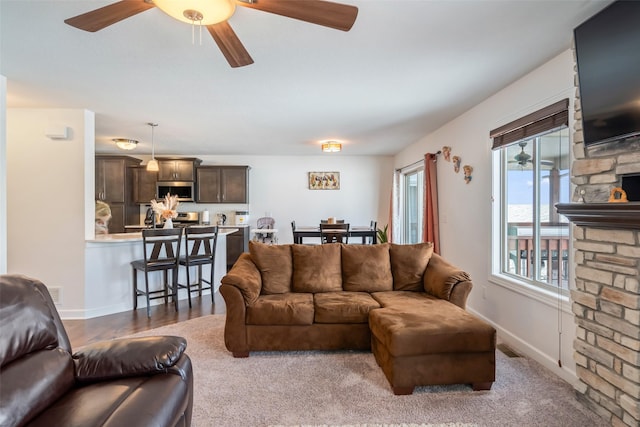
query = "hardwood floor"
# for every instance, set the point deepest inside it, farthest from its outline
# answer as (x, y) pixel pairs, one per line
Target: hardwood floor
(82, 332)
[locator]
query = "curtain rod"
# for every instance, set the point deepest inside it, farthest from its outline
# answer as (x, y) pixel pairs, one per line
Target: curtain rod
(415, 163)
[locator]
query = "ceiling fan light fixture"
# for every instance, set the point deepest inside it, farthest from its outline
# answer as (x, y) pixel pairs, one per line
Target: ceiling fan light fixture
(125, 143)
(331, 147)
(202, 12)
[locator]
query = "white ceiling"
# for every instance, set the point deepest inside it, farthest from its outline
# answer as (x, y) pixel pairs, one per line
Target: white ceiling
(405, 68)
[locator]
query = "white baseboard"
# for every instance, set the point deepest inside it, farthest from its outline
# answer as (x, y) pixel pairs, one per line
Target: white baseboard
(528, 350)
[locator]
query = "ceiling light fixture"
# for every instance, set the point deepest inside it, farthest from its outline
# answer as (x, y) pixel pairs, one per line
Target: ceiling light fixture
(125, 143)
(152, 166)
(331, 147)
(203, 12)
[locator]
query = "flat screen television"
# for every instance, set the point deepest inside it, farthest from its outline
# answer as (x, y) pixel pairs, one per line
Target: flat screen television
(608, 55)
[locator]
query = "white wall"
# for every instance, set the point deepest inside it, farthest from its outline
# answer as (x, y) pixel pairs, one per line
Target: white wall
(46, 198)
(527, 323)
(3, 175)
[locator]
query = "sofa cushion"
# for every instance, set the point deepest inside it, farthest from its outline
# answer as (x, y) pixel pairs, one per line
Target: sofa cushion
(437, 326)
(156, 400)
(343, 307)
(316, 268)
(408, 263)
(281, 309)
(275, 265)
(366, 268)
(401, 298)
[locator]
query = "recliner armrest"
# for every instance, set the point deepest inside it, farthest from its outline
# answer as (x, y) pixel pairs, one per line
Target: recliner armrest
(128, 357)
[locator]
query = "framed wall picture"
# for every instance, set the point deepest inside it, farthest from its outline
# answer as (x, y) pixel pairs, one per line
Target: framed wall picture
(324, 180)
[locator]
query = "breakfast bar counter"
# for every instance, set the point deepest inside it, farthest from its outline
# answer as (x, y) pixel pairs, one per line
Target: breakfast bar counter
(109, 281)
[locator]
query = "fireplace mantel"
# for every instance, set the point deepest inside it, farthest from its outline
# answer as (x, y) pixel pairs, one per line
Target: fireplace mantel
(602, 215)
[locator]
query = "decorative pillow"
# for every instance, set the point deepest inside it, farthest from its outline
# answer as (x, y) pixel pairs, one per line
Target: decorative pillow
(275, 265)
(316, 268)
(408, 263)
(366, 268)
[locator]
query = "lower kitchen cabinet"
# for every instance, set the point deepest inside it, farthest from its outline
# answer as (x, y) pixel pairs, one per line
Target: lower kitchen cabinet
(237, 243)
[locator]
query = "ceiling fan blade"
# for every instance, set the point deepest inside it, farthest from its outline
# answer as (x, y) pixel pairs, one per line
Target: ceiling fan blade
(230, 44)
(320, 12)
(101, 18)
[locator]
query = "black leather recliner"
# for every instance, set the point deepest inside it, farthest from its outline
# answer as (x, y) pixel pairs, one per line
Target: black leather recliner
(126, 382)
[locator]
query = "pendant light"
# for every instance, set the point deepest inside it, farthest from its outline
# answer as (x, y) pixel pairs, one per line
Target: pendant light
(152, 165)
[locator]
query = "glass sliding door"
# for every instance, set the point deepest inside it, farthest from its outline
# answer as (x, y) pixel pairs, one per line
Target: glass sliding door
(413, 205)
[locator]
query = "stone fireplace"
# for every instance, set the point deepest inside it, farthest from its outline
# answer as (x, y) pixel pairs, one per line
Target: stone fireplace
(606, 295)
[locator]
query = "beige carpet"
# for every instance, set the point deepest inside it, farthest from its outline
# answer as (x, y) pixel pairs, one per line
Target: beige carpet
(349, 389)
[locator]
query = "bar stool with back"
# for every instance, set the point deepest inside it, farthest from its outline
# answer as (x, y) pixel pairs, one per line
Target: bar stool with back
(200, 250)
(157, 259)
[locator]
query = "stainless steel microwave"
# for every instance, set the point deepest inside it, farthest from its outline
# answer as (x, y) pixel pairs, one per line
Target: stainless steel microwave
(183, 189)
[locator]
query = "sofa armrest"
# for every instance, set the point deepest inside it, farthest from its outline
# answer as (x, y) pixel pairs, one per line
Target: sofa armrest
(235, 328)
(446, 281)
(128, 357)
(245, 276)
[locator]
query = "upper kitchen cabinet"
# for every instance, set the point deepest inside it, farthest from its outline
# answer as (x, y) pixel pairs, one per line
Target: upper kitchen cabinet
(144, 185)
(178, 169)
(113, 185)
(222, 184)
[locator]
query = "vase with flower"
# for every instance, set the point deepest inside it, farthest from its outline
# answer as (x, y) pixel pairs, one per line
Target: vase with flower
(167, 209)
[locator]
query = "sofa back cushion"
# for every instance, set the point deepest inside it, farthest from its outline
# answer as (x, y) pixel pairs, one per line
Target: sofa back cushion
(275, 264)
(316, 268)
(35, 362)
(408, 264)
(366, 268)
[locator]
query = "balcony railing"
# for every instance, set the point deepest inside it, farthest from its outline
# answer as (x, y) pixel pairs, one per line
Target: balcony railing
(554, 252)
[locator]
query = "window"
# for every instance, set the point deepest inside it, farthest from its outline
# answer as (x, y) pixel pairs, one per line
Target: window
(412, 203)
(533, 176)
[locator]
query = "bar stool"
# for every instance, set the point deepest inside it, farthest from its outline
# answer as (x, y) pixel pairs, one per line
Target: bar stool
(155, 259)
(201, 250)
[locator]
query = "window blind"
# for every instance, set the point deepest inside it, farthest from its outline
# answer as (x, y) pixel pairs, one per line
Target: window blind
(541, 121)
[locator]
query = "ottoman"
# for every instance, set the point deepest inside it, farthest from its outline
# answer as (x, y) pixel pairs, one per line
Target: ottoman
(432, 343)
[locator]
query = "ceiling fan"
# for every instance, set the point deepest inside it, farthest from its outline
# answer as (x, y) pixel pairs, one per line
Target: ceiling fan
(214, 15)
(523, 158)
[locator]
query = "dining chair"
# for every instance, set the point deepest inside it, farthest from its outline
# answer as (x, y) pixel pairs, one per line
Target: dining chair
(334, 233)
(200, 250)
(161, 249)
(374, 227)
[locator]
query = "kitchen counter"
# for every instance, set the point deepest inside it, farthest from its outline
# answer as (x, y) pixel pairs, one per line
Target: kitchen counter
(137, 236)
(108, 284)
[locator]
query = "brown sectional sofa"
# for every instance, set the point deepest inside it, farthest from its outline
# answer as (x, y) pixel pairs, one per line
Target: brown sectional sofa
(403, 302)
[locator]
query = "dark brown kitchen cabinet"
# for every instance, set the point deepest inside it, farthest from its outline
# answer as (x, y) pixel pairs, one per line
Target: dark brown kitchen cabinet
(114, 186)
(237, 243)
(182, 169)
(144, 185)
(222, 184)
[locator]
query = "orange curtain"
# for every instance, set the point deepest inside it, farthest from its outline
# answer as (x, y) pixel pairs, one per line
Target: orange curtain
(430, 231)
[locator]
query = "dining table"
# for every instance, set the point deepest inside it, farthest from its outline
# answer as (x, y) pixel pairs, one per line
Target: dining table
(363, 231)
